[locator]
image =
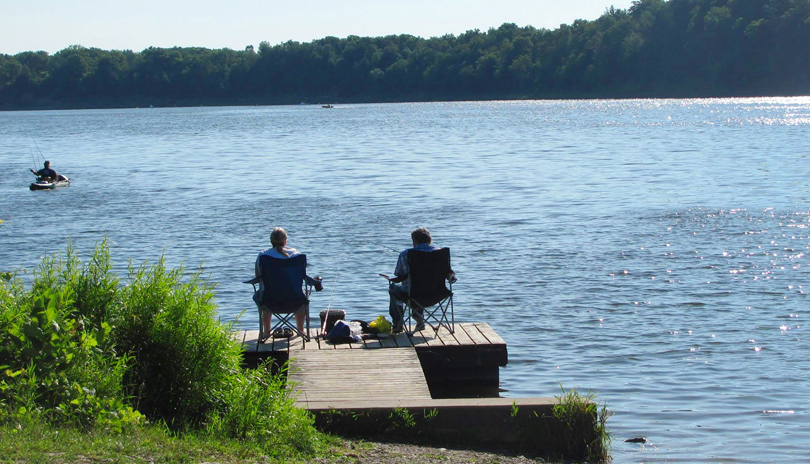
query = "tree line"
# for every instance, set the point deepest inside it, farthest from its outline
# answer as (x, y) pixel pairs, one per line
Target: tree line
(656, 48)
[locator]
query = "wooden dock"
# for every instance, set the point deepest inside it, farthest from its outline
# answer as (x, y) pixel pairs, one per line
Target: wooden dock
(439, 385)
(465, 363)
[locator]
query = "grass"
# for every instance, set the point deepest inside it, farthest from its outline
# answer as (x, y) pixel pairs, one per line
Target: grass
(37, 442)
(585, 424)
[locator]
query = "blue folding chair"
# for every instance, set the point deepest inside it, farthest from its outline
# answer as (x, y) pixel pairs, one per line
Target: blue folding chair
(285, 292)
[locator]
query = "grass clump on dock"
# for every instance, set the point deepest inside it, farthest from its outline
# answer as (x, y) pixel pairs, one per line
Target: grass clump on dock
(83, 351)
(584, 425)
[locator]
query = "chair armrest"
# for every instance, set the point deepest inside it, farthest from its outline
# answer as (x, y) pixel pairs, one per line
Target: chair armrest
(253, 281)
(397, 279)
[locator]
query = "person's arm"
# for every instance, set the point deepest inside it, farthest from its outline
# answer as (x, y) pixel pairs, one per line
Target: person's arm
(401, 270)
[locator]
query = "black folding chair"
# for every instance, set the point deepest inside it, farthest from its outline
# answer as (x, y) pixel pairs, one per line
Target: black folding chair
(285, 293)
(428, 271)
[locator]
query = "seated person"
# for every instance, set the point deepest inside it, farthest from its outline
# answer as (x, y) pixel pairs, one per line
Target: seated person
(400, 284)
(46, 173)
(280, 250)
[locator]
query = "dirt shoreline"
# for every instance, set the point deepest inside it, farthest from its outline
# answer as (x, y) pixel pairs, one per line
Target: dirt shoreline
(363, 452)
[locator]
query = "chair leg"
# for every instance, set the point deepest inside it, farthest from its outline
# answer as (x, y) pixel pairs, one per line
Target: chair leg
(451, 323)
(404, 317)
(306, 337)
(285, 321)
(416, 316)
(398, 307)
(452, 315)
(263, 334)
(439, 315)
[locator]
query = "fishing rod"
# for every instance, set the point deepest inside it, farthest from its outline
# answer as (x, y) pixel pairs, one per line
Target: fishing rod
(31, 150)
(329, 306)
(334, 286)
(39, 151)
(377, 244)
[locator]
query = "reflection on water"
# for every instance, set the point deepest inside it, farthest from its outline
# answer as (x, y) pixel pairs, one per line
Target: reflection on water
(652, 250)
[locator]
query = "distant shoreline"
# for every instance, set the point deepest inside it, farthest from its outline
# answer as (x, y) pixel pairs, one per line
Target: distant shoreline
(145, 102)
(654, 49)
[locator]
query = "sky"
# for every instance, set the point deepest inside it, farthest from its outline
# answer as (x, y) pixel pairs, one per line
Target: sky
(52, 25)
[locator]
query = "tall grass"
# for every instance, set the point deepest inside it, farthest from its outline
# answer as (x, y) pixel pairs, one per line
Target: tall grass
(82, 348)
(185, 359)
(585, 425)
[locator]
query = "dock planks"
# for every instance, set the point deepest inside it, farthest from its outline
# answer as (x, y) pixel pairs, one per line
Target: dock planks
(466, 334)
(323, 378)
(463, 363)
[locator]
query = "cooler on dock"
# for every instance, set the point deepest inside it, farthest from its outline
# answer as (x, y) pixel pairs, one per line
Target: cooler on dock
(329, 317)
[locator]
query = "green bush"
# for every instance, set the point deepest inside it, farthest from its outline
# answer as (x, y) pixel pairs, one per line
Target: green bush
(80, 349)
(53, 363)
(185, 358)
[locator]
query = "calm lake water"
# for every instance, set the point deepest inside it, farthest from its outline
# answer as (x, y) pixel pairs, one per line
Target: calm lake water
(653, 251)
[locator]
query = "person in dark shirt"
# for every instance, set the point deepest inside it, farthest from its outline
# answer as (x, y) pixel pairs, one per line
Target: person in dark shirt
(400, 284)
(47, 173)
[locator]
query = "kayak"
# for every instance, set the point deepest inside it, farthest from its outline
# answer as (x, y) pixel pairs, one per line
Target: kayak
(48, 185)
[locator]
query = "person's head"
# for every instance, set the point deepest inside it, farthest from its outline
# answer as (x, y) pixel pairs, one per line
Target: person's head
(47, 164)
(421, 235)
(278, 238)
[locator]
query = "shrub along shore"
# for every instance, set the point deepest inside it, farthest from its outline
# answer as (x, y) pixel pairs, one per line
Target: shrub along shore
(95, 367)
(84, 352)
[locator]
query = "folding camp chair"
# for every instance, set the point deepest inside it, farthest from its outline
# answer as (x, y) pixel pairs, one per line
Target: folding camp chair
(428, 295)
(285, 293)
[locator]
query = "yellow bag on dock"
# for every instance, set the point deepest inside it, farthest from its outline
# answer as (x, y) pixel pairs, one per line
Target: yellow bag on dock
(381, 324)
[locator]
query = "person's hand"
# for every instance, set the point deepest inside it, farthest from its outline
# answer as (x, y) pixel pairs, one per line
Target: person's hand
(318, 284)
(451, 276)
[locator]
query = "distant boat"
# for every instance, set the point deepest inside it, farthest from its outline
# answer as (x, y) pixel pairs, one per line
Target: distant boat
(327, 106)
(43, 184)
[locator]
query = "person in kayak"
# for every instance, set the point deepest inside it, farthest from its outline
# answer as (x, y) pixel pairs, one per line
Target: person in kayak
(47, 173)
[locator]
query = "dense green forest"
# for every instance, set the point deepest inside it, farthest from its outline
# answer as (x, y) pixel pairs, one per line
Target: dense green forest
(656, 48)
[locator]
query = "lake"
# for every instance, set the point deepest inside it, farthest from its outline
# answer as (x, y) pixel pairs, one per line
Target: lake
(652, 251)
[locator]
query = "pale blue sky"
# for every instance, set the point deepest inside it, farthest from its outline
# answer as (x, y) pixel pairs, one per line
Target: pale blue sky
(51, 25)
